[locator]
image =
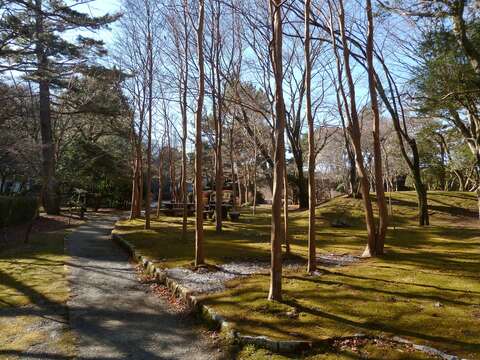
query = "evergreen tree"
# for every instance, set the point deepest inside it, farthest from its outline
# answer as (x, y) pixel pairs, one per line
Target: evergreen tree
(35, 42)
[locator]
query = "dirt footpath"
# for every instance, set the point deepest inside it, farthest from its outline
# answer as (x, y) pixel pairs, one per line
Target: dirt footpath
(113, 315)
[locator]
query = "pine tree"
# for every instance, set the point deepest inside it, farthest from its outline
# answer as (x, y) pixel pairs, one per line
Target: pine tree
(35, 43)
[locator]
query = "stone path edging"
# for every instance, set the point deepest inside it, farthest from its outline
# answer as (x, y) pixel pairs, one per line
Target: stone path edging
(206, 312)
(226, 328)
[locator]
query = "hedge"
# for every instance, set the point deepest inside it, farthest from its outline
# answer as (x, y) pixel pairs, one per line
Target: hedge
(16, 210)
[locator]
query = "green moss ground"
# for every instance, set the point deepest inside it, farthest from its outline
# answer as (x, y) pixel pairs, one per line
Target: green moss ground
(426, 288)
(367, 351)
(34, 287)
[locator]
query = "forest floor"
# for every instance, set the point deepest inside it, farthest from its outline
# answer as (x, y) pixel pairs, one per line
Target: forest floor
(425, 289)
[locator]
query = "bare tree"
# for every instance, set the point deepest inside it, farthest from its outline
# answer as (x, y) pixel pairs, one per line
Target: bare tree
(353, 128)
(312, 261)
(199, 251)
(178, 72)
(150, 59)
(277, 233)
(131, 55)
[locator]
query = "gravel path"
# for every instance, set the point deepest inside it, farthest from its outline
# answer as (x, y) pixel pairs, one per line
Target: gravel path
(208, 281)
(113, 315)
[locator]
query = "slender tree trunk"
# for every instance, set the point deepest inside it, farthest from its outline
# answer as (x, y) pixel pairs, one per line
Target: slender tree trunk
(423, 218)
(148, 201)
(135, 195)
(184, 181)
(240, 199)
(184, 92)
(277, 233)
(285, 209)
(160, 167)
(51, 198)
(302, 185)
(218, 177)
(312, 260)
(461, 180)
(354, 129)
(184, 162)
(246, 183)
(199, 251)
(477, 178)
(376, 248)
(234, 195)
(171, 169)
(254, 208)
(140, 189)
(403, 137)
(138, 171)
(352, 174)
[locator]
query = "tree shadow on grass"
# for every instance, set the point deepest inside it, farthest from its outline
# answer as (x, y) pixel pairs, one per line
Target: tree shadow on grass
(444, 207)
(124, 330)
(396, 282)
(380, 326)
(135, 334)
(381, 290)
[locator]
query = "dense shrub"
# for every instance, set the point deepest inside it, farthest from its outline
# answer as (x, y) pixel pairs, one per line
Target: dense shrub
(16, 210)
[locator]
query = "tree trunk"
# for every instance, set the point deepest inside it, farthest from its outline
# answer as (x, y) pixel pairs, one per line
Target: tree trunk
(140, 190)
(199, 251)
(277, 233)
(376, 247)
(312, 260)
(352, 175)
(285, 209)
(148, 200)
(184, 164)
(246, 183)
(254, 205)
(239, 183)
(461, 180)
(51, 198)
(135, 187)
(184, 179)
(160, 163)
(234, 195)
(218, 127)
(302, 185)
(423, 218)
(477, 176)
(171, 170)
(403, 136)
(354, 128)
(218, 177)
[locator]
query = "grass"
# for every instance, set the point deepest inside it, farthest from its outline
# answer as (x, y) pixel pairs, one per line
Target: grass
(34, 272)
(364, 351)
(33, 289)
(426, 288)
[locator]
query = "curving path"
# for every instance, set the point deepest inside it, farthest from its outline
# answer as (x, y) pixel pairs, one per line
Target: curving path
(113, 315)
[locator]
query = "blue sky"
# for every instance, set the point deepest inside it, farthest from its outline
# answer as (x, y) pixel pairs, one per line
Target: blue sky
(101, 7)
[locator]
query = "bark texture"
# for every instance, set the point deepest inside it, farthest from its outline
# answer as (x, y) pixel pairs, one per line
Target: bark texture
(277, 232)
(199, 252)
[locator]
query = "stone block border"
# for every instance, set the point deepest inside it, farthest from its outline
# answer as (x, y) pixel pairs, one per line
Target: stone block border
(227, 329)
(206, 312)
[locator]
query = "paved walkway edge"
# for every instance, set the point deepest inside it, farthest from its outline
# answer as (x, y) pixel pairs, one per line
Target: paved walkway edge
(227, 329)
(206, 312)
